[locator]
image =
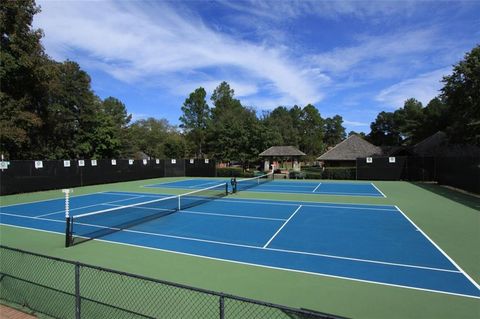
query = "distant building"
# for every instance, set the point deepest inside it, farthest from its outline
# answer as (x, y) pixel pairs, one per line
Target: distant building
(345, 153)
(284, 154)
(438, 145)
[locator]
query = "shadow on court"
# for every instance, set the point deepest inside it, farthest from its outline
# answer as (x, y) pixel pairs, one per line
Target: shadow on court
(457, 196)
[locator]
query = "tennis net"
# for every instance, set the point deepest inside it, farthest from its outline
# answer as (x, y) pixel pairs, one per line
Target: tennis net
(245, 184)
(97, 224)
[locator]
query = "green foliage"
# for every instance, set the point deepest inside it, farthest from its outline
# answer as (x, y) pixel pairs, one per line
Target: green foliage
(461, 92)
(435, 118)
(409, 120)
(339, 173)
(148, 136)
(48, 108)
(196, 114)
(283, 126)
(361, 134)
(456, 111)
(21, 61)
(175, 146)
(330, 172)
(334, 131)
(311, 131)
(233, 172)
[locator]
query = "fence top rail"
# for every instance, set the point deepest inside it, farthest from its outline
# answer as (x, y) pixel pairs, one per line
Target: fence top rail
(177, 285)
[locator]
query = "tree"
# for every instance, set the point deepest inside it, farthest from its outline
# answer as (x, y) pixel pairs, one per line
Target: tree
(361, 134)
(384, 130)
(311, 128)
(223, 98)
(21, 60)
(435, 118)
(334, 130)
(196, 114)
(281, 122)
(409, 120)
(116, 112)
(71, 111)
(174, 146)
(149, 136)
(461, 92)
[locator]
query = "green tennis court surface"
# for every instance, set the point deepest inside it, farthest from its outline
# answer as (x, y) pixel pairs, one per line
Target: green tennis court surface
(451, 219)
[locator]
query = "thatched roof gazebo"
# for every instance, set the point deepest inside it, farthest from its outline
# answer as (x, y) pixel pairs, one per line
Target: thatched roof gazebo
(282, 153)
(346, 152)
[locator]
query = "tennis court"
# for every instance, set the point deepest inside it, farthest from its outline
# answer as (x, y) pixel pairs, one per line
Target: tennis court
(369, 243)
(283, 186)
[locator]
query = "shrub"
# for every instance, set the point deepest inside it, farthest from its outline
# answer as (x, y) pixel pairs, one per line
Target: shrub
(233, 172)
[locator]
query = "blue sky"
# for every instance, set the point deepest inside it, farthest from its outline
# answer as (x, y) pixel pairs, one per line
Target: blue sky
(351, 58)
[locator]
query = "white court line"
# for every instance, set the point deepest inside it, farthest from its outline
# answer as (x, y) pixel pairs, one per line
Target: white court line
(266, 190)
(51, 199)
(283, 202)
(276, 201)
(440, 249)
(136, 194)
(97, 204)
(378, 190)
(234, 216)
(205, 213)
(286, 185)
(264, 266)
(290, 270)
(157, 184)
(323, 205)
(316, 187)
(209, 183)
(285, 223)
(242, 245)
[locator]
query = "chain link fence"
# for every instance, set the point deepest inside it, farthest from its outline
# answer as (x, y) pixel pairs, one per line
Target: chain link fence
(65, 289)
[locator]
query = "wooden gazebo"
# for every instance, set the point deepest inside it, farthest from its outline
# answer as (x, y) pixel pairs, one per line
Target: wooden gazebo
(282, 153)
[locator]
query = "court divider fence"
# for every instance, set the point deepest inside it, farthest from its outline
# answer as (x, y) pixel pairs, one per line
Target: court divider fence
(64, 289)
(24, 176)
(459, 172)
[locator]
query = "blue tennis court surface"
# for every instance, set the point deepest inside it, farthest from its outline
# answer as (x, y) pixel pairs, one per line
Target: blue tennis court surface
(283, 186)
(370, 243)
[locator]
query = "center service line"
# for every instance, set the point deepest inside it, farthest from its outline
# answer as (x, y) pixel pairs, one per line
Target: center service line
(274, 235)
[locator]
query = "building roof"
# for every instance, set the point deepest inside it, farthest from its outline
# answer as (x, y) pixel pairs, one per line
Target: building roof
(438, 145)
(282, 151)
(431, 145)
(349, 149)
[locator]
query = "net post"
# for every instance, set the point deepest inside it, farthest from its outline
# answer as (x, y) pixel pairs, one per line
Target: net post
(226, 189)
(68, 220)
(179, 203)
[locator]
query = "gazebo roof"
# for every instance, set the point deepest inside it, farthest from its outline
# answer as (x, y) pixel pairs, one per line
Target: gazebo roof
(349, 149)
(282, 151)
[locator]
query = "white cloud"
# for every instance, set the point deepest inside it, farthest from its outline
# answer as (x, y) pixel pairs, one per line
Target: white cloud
(156, 44)
(139, 116)
(355, 123)
(241, 89)
(423, 88)
(279, 10)
(379, 52)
